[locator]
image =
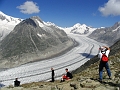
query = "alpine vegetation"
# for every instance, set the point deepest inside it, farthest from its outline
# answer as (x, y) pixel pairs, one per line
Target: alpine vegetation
(32, 40)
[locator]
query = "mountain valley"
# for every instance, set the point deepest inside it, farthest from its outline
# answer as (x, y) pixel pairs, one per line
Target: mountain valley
(30, 40)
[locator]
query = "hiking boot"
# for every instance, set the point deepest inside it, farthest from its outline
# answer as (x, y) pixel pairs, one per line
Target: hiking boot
(62, 80)
(110, 78)
(100, 81)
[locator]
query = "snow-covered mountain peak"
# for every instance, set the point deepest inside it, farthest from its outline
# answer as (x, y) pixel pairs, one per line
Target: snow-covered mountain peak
(7, 24)
(5, 19)
(2, 13)
(41, 22)
(49, 24)
(77, 25)
(118, 22)
(79, 29)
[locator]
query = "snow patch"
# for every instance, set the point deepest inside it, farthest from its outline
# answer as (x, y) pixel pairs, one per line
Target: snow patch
(41, 35)
(116, 29)
(40, 24)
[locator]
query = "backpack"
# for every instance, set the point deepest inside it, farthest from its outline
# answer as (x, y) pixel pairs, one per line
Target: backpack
(104, 58)
(71, 76)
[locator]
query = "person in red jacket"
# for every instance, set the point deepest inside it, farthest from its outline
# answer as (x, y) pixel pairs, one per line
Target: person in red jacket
(67, 76)
(104, 50)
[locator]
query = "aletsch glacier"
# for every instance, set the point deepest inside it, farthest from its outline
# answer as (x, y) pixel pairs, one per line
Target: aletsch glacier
(38, 71)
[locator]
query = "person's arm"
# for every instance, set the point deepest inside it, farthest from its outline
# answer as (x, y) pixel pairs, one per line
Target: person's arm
(106, 47)
(107, 51)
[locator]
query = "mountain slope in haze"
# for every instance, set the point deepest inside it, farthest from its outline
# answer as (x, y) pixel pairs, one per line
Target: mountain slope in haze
(7, 24)
(32, 40)
(108, 35)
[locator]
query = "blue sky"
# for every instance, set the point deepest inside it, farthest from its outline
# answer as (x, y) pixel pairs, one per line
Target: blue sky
(66, 13)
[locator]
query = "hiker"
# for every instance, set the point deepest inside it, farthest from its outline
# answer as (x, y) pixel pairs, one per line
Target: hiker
(53, 74)
(16, 82)
(104, 51)
(67, 76)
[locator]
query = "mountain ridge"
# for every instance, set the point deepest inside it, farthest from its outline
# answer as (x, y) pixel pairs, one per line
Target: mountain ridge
(108, 35)
(31, 40)
(8, 23)
(8, 19)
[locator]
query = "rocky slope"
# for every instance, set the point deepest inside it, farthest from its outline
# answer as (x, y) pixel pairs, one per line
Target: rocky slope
(32, 40)
(85, 77)
(108, 35)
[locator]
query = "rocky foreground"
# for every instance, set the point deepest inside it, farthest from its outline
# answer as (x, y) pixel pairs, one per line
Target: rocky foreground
(85, 78)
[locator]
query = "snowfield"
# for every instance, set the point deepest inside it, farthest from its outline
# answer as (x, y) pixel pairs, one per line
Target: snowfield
(41, 70)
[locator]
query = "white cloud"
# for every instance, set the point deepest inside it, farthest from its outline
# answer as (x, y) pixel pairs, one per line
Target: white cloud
(112, 7)
(29, 7)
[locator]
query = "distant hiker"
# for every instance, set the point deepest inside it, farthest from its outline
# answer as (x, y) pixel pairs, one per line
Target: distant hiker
(53, 74)
(16, 82)
(103, 55)
(67, 76)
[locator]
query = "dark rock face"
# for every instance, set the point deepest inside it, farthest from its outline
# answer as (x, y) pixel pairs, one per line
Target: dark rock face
(32, 39)
(115, 48)
(2, 17)
(107, 35)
